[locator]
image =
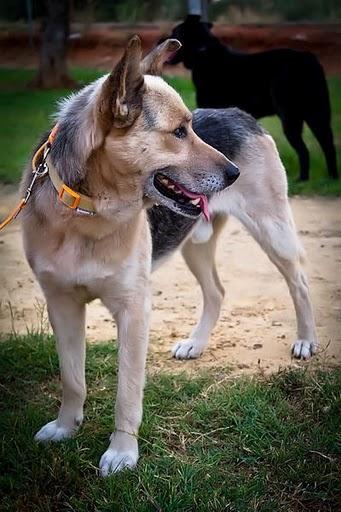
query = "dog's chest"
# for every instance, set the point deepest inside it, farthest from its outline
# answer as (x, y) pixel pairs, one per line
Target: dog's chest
(83, 264)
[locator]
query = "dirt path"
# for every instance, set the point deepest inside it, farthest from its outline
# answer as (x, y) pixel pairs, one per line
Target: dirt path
(257, 323)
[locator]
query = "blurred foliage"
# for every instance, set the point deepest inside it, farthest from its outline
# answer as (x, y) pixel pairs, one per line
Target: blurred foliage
(138, 10)
(101, 10)
(287, 10)
(131, 11)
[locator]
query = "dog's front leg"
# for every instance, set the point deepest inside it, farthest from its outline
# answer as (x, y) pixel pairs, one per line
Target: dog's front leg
(199, 257)
(67, 317)
(133, 326)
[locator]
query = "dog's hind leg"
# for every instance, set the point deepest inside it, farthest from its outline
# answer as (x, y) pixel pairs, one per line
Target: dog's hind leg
(293, 131)
(199, 256)
(276, 235)
(67, 317)
(264, 209)
(321, 128)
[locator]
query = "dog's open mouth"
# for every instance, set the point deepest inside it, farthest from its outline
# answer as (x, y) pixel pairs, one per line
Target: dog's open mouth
(190, 203)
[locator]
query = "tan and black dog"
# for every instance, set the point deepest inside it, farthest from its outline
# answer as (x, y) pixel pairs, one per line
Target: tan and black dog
(123, 143)
(259, 199)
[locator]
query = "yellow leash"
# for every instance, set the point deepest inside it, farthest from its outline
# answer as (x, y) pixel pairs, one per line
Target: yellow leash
(13, 214)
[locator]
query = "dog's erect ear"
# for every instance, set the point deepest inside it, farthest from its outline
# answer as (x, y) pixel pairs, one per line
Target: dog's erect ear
(122, 92)
(153, 62)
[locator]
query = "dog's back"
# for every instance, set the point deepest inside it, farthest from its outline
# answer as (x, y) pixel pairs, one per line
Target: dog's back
(225, 77)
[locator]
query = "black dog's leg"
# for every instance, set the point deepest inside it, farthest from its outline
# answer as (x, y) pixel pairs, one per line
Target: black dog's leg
(293, 130)
(322, 130)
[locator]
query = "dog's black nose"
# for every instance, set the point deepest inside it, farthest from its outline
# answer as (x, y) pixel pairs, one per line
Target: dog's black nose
(232, 173)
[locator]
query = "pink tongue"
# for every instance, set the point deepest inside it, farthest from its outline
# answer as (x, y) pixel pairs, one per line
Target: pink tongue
(203, 200)
(204, 207)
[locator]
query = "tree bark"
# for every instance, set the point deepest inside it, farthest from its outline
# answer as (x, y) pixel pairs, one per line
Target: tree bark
(53, 73)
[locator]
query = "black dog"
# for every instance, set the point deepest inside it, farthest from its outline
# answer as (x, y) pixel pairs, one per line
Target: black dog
(285, 82)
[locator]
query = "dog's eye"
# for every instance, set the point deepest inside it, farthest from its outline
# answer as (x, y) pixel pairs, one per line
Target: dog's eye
(180, 133)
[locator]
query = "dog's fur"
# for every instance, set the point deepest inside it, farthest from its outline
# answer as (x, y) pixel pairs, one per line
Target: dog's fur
(259, 200)
(288, 83)
(114, 139)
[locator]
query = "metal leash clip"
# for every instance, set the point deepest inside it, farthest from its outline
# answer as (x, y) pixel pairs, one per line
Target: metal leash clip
(38, 171)
(41, 171)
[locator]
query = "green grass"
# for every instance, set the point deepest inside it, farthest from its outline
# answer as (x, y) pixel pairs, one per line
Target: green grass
(206, 443)
(26, 114)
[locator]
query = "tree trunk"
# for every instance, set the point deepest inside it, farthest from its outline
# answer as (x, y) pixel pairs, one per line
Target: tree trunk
(52, 73)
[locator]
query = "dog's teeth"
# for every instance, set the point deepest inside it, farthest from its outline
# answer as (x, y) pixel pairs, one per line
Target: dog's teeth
(164, 181)
(171, 186)
(195, 201)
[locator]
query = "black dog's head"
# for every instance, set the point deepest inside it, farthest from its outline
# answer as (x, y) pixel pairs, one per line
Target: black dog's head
(195, 37)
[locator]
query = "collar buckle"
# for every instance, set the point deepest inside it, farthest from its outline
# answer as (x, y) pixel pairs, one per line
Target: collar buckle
(69, 197)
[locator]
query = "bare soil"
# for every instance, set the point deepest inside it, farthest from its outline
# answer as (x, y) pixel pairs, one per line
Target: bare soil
(100, 45)
(257, 323)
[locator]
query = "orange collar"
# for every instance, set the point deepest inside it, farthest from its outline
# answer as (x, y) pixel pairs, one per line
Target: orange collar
(79, 202)
(76, 201)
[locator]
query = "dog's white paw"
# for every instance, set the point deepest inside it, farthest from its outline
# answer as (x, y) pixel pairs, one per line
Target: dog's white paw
(53, 431)
(122, 454)
(188, 349)
(113, 461)
(303, 349)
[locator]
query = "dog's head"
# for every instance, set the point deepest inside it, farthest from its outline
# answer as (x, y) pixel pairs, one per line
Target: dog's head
(195, 38)
(142, 145)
